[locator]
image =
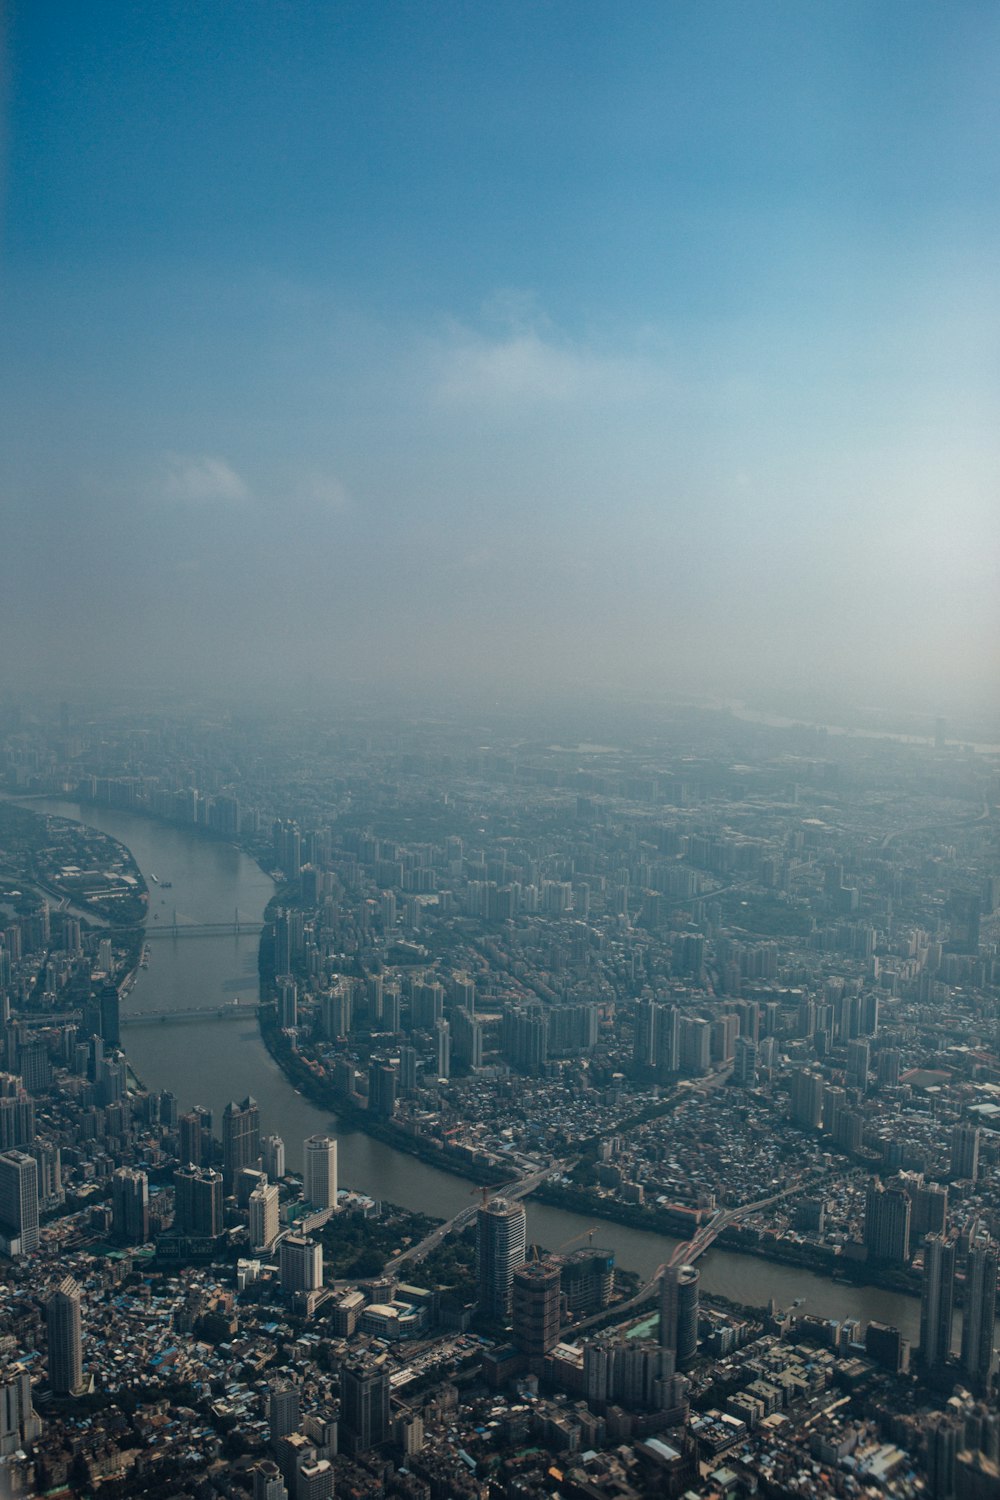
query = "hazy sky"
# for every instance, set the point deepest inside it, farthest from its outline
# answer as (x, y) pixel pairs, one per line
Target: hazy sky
(636, 344)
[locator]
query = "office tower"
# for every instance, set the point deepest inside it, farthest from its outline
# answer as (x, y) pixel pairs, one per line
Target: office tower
(198, 1201)
(62, 1317)
(273, 1157)
(111, 1016)
(282, 1409)
(18, 1203)
(937, 1301)
(679, 1312)
(267, 1481)
(500, 1241)
(168, 1110)
(191, 1139)
(130, 1205)
(536, 1298)
(300, 1264)
(887, 1223)
(264, 1219)
(965, 1152)
(443, 1038)
(381, 1088)
(320, 1171)
(240, 1137)
(979, 1313)
(364, 1404)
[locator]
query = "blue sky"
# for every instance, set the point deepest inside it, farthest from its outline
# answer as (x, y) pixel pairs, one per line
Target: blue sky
(649, 345)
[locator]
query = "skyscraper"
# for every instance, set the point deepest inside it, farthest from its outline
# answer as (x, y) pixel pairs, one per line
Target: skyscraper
(62, 1317)
(264, 1220)
(536, 1299)
(887, 1223)
(937, 1301)
(364, 1403)
(198, 1201)
(130, 1205)
(240, 1136)
(300, 1264)
(500, 1242)
(679, 1312)
(979, 1313)
(965, 1152)
(18, 1202)
(320, 1171)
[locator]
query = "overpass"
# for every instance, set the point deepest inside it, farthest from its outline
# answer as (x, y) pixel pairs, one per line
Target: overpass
(519, 1188)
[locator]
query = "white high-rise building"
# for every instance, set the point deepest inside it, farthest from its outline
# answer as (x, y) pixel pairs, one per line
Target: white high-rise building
(273, 1157)
(264, 1218)
(320, 1171)
(501, 1229)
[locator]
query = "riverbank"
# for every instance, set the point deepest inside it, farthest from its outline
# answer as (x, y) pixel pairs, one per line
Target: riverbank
(351, 1114)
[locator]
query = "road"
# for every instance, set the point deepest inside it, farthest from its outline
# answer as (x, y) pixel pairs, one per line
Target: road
(520, 1188)
(686, 1254)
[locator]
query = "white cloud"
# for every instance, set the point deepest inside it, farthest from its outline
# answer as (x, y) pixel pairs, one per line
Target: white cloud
(199, 479)
(522, 367)
(324, 493)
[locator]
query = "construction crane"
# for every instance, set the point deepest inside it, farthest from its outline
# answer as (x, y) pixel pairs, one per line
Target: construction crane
(587, 1234)
(485, 1193)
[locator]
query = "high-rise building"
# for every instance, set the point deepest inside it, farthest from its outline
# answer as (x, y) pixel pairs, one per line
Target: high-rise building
(745, 1066)
(965, 1152)
(282, 1409)
(937, 1301)
(679, 1312)
(111, 1016)
(18, 1203)
(65, 1331)
(240, 1137)
(198, 1201)
(273, 1157)
(191, 1140)
(887, 1223)
(267, 1481)
(20, 1425)
(442, 1036)
(501, 1228)
(381, 1088)
(979, 1314)
(130, 1205)
(536, 1299)
(300, 1264)
(364, 1404)
(264, 1220)
(319, 1158)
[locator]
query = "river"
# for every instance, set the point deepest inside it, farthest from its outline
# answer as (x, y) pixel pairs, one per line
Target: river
(210, 1063)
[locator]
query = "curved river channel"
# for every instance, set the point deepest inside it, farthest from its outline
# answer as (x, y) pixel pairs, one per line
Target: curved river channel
(211, 1062)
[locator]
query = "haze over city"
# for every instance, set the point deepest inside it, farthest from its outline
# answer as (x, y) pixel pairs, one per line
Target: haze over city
(524, 348)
